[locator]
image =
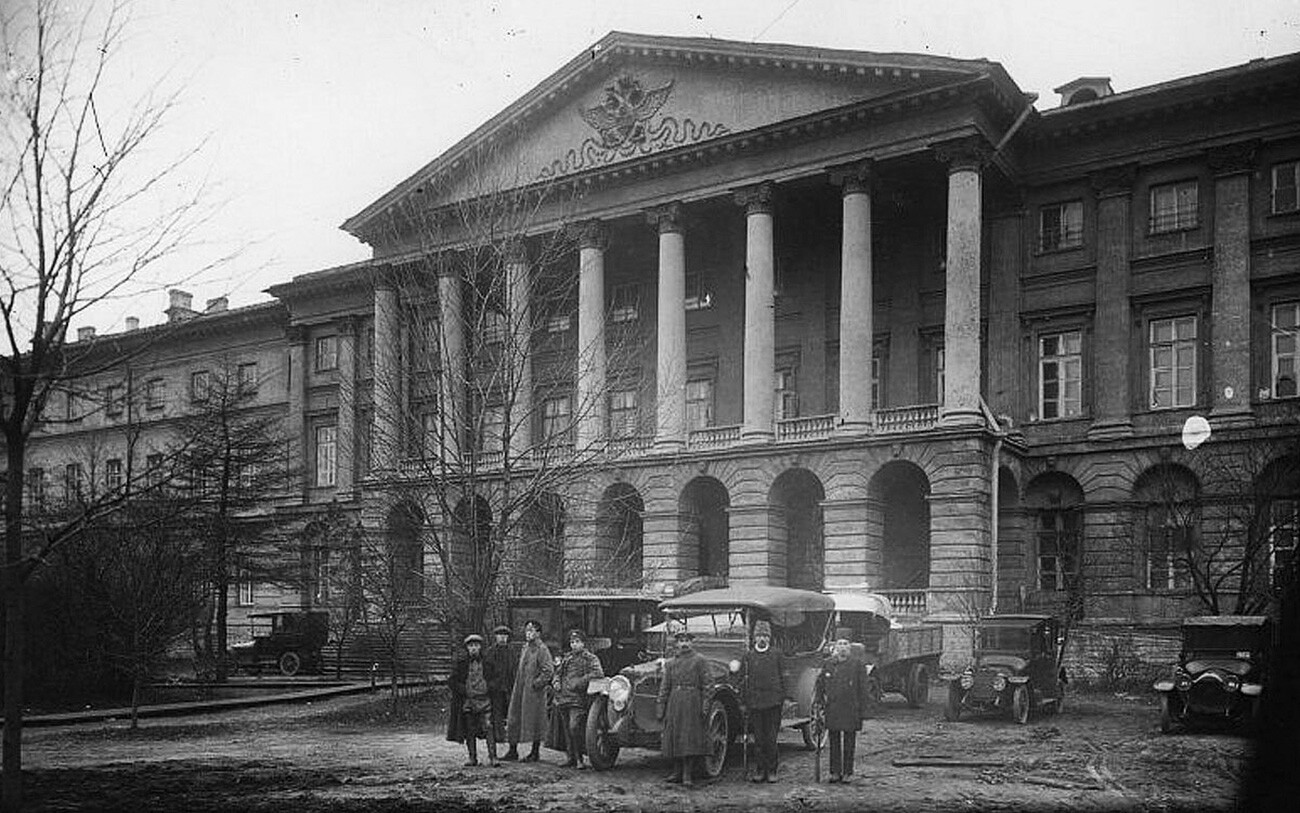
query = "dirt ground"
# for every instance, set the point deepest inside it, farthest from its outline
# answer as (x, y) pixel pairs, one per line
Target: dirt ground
(1103, 752)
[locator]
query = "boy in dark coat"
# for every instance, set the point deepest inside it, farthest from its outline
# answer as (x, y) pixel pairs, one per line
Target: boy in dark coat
(504, 660)
(681, 708)
(763, 682)
(578, 667)
(841, 692)
(470, 715)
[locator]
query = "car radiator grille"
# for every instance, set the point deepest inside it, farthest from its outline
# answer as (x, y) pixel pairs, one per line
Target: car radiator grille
(1207, 694)
(983, 688)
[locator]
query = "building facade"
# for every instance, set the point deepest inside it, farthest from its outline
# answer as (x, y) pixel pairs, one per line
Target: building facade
(818, 318)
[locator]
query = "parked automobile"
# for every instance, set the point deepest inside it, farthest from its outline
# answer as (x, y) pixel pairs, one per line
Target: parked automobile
(289, 641)
(1221, 672)
(1016, 669)
(616, 623)
(622, 713)
(899, 657)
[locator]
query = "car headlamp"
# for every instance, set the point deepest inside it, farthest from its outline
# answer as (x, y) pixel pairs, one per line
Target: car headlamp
(1184, 682)
(999, 683)
(1232, 683)
(620, 689)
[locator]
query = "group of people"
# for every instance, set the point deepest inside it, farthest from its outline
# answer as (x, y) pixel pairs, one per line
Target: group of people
(500, 696)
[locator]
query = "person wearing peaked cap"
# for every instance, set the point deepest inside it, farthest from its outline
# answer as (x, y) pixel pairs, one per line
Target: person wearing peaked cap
(682, 707)
(504, 658)
(526, 721)
(578, 668)
(762, 680)
(841, 691)
(471, 682)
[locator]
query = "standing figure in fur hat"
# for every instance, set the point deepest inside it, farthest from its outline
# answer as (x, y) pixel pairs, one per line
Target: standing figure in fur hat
(470, 715)
(682, 708)
(842, 692)
(763, 680)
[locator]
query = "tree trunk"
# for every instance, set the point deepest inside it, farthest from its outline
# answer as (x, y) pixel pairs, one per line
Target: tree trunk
(11, 794)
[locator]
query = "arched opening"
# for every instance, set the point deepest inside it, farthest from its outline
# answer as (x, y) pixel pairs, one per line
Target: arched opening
(404, 552)
(795, 501)
(703, 507)
(1274, 531)
(1167, 521)
(619, 536)
(1054, 509)
(538, 565)
(902, 491)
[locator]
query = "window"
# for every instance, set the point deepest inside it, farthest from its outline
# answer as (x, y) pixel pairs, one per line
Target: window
(494, 327)
(787, 393)
(248, 472)
(937, 353)
(1169, 542)
(327, 353)
(326, 455)
(1058, 548)
(1173, 362)
(1283, 535)
(247, 378)
(1174, 207)
(320, 576)
(875, 379)
(36, 488)
(626, 302)
(699, 403)
(74, 479)
(154, 393)
(698, 298)
(1285, 330)
(200, 386)
(71, 409)
(112, 475)
(1060, 226)
(244, 588)
(623, 418)
(429, 433)
(153, 470)
(556, 419)
(491, 428)
(1286, 183)
(559, 323)
(114, 400)
(1060, 375)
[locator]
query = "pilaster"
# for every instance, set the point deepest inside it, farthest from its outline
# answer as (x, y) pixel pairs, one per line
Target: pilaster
(1112, 402)
(1230, 363)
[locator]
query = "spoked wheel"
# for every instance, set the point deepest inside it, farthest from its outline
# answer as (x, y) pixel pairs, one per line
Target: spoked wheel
(952, 709)
(717, 735)
(290, 663)
(918, 693)
(601, 748)
(1020, 704)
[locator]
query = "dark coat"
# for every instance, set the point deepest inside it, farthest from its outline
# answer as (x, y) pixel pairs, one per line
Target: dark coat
(458, 721)
(841, 690)
(576, 670)
(527, 718)
(505, 658)
(762, 678)
(682, 706)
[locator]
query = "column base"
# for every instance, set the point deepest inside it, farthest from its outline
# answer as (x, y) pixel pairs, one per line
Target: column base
(1111, 429)
(856, 427)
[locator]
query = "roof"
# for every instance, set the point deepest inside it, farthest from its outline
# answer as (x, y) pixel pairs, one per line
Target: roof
(758, 597)
(591, 597)
(1012, 619)
(1225, 621)
(863, 603)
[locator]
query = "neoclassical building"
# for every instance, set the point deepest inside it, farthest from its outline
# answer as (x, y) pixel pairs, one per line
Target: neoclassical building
(836, 318)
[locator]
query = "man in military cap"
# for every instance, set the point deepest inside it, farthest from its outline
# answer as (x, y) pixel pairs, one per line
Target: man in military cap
(504, 660)
(578, 667)
(763, 684)
(842, 693)
(526, 721)
(470, 715)
(682, 706)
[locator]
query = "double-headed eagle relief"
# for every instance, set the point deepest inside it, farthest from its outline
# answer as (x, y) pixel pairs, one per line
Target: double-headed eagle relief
(628, 123)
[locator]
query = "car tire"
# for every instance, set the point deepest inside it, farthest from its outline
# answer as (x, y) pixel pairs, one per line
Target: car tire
(918, 688)
(717, 736)
(1020, 703)
(602, 751)
(1166, 715)
(952, 709)
(290, 663)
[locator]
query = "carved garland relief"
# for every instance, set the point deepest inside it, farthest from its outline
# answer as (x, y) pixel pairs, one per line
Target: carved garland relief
(626, 126)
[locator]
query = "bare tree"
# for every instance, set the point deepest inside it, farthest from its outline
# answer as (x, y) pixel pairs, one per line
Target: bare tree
(82, 223)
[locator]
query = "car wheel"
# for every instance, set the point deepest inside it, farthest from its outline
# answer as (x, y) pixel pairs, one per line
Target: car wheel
(1166, 715)
(601, 748)
(1020, 704)
(290, 663)
(952, 709)
(717, 736)
(918, 690)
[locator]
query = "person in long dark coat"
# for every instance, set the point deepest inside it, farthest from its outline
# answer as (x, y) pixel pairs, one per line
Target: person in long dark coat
(763, 681)
(505, 660)
(681, 707)
(842, 693)
(470, 714)
(577, 668)
(526, 721)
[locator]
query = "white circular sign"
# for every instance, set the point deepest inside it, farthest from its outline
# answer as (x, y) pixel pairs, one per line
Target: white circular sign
(1196, 430)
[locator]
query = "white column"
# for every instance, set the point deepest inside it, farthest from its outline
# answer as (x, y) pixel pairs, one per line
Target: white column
(760, 326)
(384, 446)
(591, 403)
(961, 324)
(519, 341)
(670, 369)
(454, 414)
(347, 415)
(857, 328)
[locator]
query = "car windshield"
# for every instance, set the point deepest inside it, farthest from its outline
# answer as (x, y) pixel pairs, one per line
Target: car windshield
(1220, 639)
(1004, 639)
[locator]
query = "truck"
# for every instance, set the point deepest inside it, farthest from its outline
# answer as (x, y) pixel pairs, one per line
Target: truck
(901, 658)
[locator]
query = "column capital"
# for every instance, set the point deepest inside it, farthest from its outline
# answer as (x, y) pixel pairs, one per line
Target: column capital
(1113, 181)
(968, 153)
(756, 199)
(668, 218)
(593, 234)
(853, 178)
(1233, 159)
(514, 250)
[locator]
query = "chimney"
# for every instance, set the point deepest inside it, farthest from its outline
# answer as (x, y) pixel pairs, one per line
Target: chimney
(179, 308)
(217, 305)
(85, 334)
(1084, 89)
(132, 323)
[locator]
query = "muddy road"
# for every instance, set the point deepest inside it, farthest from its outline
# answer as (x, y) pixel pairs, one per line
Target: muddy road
(1103, 752)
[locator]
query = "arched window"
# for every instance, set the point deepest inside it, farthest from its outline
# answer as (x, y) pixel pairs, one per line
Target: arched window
(1169, 525)
(1055, 502)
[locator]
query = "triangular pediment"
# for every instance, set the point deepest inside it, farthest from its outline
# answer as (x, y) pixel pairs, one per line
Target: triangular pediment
(631, 96)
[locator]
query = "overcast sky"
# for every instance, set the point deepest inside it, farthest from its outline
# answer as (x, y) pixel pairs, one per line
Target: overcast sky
(312, 110)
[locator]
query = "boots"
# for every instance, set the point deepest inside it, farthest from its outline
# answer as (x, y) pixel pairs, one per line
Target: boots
(512, 753)
(533, 755)
(492, 752)
(687, 770)
(471, 745)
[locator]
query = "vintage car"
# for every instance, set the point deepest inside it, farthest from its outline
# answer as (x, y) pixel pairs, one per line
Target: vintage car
(1016, 670)
(1221, 672)
(616, 623)
(622, 713)
(289, 641)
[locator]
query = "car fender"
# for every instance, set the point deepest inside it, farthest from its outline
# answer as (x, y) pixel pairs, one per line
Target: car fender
(1251, 689)
(1165, 685)
(598, 686)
